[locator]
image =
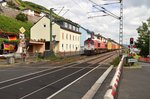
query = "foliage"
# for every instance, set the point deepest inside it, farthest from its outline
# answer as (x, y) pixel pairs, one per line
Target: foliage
(142, 42)
(11, 4)
(115, 61)
(25, 4)
(22, 17)
(12, 25)
(35, 7)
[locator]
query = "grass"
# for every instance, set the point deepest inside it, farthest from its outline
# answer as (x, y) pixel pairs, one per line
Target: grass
(8, 24)
(115, 61)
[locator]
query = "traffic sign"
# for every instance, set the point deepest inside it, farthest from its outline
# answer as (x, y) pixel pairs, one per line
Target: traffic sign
(22, 29)
(132, 60)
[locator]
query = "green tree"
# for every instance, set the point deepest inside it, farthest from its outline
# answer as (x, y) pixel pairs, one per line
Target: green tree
(142, 42)
(22, 17)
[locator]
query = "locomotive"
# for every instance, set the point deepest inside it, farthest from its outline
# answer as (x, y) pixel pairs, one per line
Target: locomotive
(8, 43)
(99, 45)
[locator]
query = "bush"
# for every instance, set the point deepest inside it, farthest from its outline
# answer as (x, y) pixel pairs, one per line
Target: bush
(22, 17)
(115, 61)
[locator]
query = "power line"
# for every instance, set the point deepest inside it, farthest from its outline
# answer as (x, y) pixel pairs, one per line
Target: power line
(60, 10)
(105, 10)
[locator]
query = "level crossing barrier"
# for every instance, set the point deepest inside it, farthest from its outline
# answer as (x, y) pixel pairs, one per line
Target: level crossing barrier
(111, 93)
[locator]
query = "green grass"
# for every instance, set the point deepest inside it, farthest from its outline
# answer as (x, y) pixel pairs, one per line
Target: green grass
(12, 25)
(30, 5)
(115, 61)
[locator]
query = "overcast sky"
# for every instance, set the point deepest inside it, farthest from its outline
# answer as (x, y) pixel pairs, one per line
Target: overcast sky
(135, 11)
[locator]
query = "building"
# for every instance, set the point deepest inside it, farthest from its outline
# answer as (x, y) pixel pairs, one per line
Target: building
(28, 12)
(3, 3)
(65, 33)
(85, 34)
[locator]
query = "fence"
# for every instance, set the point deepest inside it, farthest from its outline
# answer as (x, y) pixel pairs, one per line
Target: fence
(142, 59)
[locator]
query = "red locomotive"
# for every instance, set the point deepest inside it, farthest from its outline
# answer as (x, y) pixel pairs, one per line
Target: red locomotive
(98, 45)
(94, 46)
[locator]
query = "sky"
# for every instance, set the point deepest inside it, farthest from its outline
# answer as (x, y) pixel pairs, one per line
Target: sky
(134, 13)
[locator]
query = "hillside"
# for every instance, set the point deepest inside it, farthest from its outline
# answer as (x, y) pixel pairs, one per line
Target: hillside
(12, 25)
(20, 5)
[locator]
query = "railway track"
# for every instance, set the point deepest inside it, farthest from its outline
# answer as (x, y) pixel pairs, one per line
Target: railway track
(40, 85)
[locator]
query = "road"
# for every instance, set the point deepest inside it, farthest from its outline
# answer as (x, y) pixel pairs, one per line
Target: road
(47, 82)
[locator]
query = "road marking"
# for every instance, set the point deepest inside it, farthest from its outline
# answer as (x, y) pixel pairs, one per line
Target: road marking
(51, 84)
(60, 80)
(72, 82)
(46, 70)
(30, 78)
(92, 91)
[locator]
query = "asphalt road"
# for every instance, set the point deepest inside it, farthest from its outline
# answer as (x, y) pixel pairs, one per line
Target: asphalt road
(46, 81)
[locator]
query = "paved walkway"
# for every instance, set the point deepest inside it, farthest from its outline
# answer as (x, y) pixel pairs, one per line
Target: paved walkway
(136, 83)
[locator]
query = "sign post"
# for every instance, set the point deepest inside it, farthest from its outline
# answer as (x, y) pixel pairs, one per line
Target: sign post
(22, 44)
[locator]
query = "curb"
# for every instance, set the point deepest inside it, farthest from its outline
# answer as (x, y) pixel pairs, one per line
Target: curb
(113, 87)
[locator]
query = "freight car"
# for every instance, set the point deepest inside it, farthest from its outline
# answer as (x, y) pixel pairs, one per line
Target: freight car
(99, 45)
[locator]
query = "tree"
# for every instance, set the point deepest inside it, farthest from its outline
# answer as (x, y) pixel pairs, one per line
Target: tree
(142, 42)
(22, 17)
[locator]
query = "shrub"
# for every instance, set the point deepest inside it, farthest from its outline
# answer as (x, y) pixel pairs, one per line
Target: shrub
(22, 17)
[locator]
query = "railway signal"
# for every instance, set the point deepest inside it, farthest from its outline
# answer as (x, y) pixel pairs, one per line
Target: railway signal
(131, 41)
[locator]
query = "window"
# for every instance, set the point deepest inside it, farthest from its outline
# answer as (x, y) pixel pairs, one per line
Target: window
(70, 36)
(78, 38)
(66, 36)
(66, 46)
(73, 46)
(66, 24)
(70, 46)
(74, 28)
(70, 26)
(62, 36)
(62, 46)
(73, 37)
(44, 25)
(98, 44)
(77, 29)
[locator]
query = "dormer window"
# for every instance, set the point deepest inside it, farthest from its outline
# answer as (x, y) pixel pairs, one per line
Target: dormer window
(66, 25)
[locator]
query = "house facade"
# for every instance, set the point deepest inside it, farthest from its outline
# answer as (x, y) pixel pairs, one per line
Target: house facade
(66, 35)
(85, 34)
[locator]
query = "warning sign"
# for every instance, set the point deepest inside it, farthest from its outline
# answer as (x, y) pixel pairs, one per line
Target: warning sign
(22, 30)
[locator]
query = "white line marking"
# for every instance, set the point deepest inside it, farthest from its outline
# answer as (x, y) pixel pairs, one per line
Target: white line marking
(33, 77)
(60, 80)
(71, 83)
(74, 81)
(92, 91)
(51, 84)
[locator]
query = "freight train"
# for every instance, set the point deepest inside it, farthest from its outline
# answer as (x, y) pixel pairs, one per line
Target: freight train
(99, 44)
(8, 43)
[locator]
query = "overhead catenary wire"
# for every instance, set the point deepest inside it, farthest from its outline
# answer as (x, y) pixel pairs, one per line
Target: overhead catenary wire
(106, 11)
(61, 10)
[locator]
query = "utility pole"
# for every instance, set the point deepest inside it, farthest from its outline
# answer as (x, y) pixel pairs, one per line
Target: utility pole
(121, 27)
(51, 10)
(120, 18)
(149, 40)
